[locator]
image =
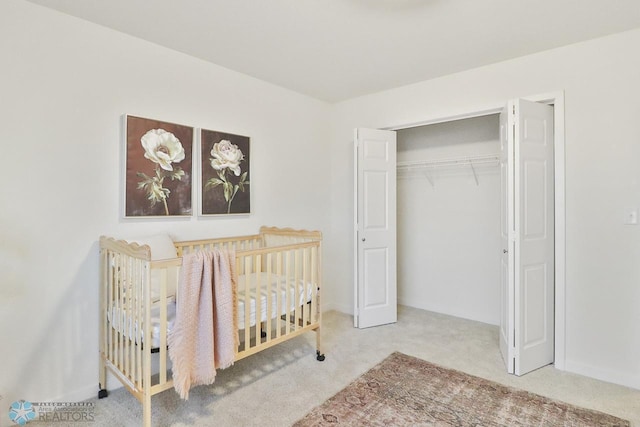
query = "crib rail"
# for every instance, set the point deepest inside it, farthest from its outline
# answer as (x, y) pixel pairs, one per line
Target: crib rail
(280, 287)
(228, 243)
(286, 283)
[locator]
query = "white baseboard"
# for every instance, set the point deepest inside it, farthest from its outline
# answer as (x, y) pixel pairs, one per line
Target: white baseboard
(87, 392)
(408, 303)
(607, 375)
(78, 395)
(342, 308)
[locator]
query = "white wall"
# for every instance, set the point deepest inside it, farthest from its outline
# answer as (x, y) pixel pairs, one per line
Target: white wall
(602, 96)
(449, 244)
(64, 85)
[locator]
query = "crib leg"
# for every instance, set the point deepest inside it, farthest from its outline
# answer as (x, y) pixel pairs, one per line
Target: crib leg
(146, 409)
(102, 380)
(319, 353)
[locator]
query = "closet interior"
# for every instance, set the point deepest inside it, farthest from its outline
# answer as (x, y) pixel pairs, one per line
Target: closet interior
(448, 218)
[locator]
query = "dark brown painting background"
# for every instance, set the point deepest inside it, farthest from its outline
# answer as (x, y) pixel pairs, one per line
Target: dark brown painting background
(213, 201)
(136, 202)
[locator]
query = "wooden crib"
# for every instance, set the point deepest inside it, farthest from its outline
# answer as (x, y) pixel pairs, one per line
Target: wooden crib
(279, 279)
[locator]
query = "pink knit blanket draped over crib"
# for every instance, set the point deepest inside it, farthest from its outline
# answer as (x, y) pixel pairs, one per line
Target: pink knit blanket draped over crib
(205, 333)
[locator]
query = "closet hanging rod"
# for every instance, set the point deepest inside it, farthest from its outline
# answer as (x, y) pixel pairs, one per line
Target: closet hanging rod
(454, 161)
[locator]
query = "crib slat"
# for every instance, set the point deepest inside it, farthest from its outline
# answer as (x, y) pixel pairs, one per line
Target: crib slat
(108, 298)
(163, 326)
(103, 322)
(116, 314)
(122, 326)
(138, 334)
(278, 294)
(305, 286)
(146, 334)
(127, 338)
(132, 340)
(287, 287)
(247, 305)
(314, 281)
(113, 300)
(296, 287)
(125, 332)
(130, 330)
(126, 309)
(258, 296)
(317, 290)
(269, 313)
(113, 265)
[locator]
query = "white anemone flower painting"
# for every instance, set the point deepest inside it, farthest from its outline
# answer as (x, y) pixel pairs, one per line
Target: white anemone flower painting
(225, 173)
(158, 168)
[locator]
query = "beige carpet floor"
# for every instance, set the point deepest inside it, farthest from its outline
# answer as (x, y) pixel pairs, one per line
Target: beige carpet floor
(279, 386)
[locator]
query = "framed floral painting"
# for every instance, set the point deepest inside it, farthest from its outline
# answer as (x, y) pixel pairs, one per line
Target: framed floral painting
(225, 160)
(158, 167)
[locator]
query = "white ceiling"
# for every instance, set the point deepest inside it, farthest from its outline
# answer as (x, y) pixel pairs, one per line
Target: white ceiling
(338, 49)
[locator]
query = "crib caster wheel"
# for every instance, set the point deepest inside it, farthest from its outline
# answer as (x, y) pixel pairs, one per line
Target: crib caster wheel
(319, 357)
(102, 393)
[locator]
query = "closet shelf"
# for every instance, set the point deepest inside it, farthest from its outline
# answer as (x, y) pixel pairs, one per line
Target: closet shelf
(425, 166)
(453, 161)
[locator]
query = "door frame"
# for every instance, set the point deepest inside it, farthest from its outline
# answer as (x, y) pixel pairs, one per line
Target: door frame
(557, 100)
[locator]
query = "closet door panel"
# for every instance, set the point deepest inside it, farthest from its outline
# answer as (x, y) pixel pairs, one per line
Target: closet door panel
(375, 288)
(534, 268)
(506, 230)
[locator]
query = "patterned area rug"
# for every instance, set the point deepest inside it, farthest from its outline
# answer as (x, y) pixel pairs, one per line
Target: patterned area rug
(406, 391)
